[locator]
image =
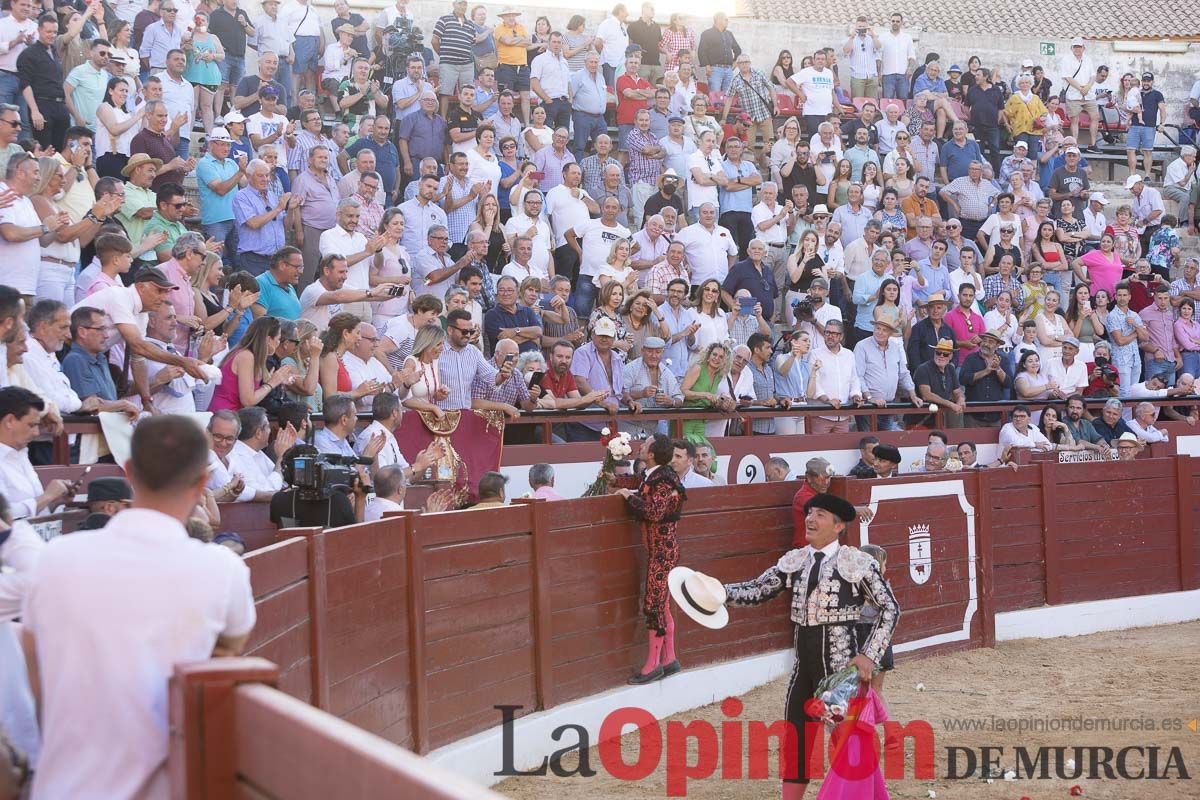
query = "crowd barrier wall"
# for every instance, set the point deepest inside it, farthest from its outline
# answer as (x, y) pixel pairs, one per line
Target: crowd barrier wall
(416, 626)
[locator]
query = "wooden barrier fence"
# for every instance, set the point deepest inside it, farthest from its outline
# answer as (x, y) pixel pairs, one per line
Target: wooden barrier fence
(233, 735)
(414, 627)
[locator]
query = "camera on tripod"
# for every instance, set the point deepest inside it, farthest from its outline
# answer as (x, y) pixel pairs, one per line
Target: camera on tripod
(316, 476)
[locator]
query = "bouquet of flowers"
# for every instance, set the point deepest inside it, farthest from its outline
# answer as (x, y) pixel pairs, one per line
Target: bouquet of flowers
(832, 702)
(617, 447)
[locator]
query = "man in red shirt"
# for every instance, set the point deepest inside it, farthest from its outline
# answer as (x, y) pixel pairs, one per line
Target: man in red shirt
(817, 475)
(633, 94)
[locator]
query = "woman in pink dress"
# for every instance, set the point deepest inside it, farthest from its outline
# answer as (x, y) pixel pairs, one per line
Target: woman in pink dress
(1103, 266)
(245, 379)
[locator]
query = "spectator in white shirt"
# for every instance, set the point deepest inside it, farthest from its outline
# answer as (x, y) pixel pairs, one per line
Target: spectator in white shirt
(362, 366)
(387, 412)
(227, 485)
(324, 298)
(837, 379)
(1142, 424)
(50, 328)
(390, 486)
(709, 247)
(248, 459)
(530, 222)
(147, 595)
(20, 423)
(681, 462)
(345, 240)
(898, 57)
(1019, 433)
(1069, 372)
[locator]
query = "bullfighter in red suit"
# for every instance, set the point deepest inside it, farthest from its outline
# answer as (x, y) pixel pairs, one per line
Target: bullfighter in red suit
(658, 503)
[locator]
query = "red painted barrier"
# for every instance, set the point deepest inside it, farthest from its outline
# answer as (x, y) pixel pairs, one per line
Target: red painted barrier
(415, 626)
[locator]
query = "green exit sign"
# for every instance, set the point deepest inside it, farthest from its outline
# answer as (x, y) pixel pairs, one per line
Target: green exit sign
(1047, 48)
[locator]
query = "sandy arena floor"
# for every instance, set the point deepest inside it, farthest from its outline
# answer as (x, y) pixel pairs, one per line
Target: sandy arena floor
(1094, 677)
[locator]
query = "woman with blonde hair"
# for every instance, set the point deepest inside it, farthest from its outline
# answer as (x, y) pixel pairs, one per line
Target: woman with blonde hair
(608, 305)
(426, 388)
(487, 222)
(218, 317)
(617, 267)
(339, 338)
(245, 378)
(306, 362)
(56, 274)
(641, 319)
(701, 387)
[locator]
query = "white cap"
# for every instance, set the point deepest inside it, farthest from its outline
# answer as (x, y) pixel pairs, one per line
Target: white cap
(1098, 197)
(822, 209)
(1077, 42)
(220, 135)
(1021, 143)
(1131, 180)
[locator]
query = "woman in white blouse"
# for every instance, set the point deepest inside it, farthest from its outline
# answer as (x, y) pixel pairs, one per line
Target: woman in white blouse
(482, 162)
(115, 129)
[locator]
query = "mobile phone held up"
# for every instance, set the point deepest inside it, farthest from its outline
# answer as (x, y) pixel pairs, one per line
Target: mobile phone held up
(396, 291)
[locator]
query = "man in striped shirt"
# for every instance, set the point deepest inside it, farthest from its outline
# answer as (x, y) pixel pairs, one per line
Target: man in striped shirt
(462, 369)
(453, 36)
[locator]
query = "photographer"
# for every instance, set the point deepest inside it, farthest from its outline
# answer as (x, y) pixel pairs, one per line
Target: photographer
(315, 502)
(815, 311)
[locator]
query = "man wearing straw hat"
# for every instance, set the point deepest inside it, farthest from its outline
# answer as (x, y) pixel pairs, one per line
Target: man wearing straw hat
(830, 583)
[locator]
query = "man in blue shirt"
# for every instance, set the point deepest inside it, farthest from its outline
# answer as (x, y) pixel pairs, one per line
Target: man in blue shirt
(259, 214)
(277, 286)
(387, 157)
(86, 365)
(510, 320)
(736, 198)
(957, 154)
(217, 177)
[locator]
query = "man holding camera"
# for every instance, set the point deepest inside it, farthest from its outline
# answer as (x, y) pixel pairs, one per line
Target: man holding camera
(323, 298)
(309, 506)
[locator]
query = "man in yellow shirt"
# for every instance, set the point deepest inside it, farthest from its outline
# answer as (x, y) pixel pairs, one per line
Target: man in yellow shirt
(512, 73)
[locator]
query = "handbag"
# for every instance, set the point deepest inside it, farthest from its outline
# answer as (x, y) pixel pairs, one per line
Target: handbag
(1062, 93)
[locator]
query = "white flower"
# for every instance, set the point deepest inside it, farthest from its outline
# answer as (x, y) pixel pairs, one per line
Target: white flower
(667, 361)
(990, 781)
(920, 687)
(1010, 775)
(932, 793)
(933, 407)
(1070, 763)
(830, 471)
(604, 431)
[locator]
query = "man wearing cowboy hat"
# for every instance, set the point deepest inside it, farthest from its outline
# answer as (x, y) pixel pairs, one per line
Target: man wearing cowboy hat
(670, 193)
(928, 332)
(140, 199)
(830, 583)
(937, 384)
(986, 375)
(882, 370)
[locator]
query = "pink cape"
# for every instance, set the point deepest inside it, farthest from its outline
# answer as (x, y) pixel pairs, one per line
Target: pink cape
(850, 776)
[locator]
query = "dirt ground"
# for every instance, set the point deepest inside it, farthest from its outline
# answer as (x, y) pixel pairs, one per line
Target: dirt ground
(1126, 678)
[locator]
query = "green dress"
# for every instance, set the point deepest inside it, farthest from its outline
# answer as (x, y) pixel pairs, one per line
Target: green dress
(693, 429)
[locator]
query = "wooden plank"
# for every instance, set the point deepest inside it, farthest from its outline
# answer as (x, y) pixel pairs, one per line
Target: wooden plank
(318, 611)
(485, 672)
(288, 749)
(1186, 530)
(356, 690)
(369, 577)
(483, 554)
(458, 527)
(419, 703)
(455, 621)
(277, 567)
(542, 608)
(1054, 594)
(985, 552)
(364, 542)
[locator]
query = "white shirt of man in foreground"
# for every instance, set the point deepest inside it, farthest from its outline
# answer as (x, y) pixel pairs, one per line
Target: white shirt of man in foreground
(1019, 433)
(154, 598)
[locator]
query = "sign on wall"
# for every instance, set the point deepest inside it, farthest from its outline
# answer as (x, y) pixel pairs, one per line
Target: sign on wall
(1047, 48)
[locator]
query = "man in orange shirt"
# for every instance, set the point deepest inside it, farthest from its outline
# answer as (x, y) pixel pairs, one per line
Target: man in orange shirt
(920, 204)
(512, 71)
